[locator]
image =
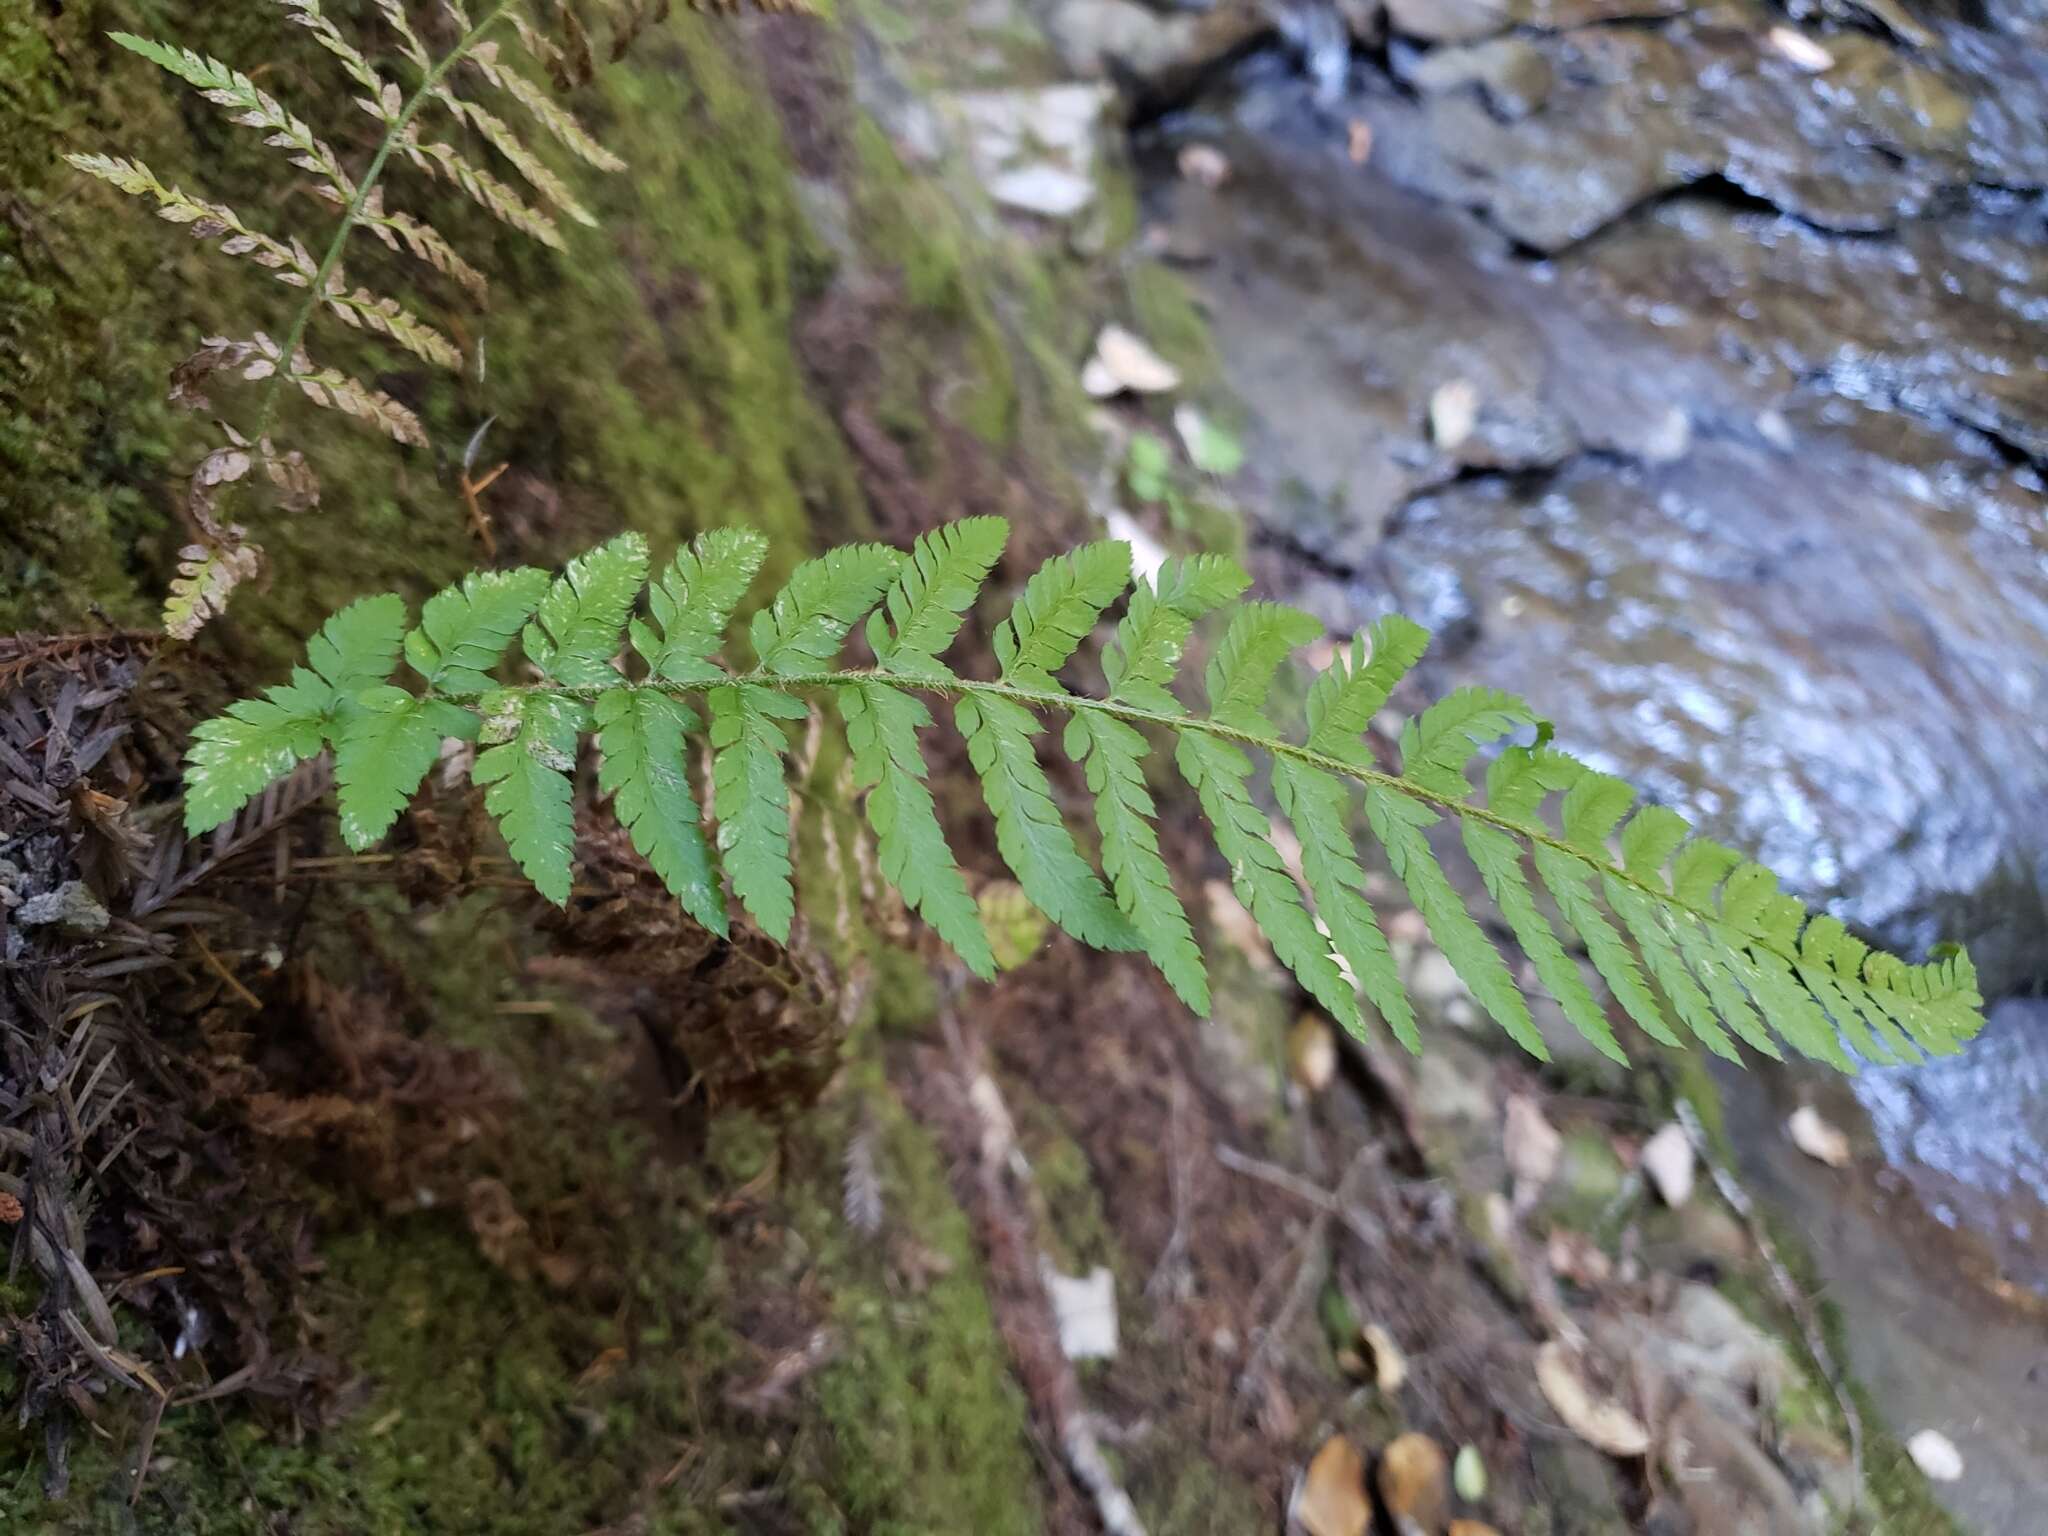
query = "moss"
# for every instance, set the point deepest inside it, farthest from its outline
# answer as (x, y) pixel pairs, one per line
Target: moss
(1164, 311)
(927, 1429)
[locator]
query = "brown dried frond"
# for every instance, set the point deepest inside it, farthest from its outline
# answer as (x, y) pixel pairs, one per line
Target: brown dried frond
(550, 114)
(384, 315)
(292, 264)
(335, 390)
(307, 14)
(490, 194)
(250, 106)
(401, 231)
(207, 574)
(496, 132)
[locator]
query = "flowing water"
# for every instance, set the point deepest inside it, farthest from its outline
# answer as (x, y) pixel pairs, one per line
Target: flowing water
(1747, 494)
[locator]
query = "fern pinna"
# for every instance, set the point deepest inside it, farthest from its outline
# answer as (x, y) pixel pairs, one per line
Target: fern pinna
(1690, 938)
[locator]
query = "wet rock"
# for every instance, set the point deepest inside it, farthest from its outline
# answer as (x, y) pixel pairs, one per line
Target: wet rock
(1448, 21)
(1035, 149)
(1725, 1481)
(1165, 53)
(70, 907)
(1515, 75)
(1414, 1485)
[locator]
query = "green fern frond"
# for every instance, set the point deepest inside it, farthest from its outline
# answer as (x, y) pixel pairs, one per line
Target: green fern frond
(529, 749)
(693, 601)
(1685, 934)
(752, 799)
(641, 734)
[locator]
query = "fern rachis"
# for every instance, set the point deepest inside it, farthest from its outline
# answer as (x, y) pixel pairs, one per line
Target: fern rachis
(1730, 956)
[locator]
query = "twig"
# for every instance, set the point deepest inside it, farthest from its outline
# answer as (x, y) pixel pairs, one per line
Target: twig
(1788, 1288)
(1330, 1206)
(479, 520)
(1362, 1226)
(213, 962)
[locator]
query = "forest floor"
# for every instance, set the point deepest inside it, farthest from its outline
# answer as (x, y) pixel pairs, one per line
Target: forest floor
(413, 1210)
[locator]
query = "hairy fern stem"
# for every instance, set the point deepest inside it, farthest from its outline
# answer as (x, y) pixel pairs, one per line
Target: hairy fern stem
(331, 258)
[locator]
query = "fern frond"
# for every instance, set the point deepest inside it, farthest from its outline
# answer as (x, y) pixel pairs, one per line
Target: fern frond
(500, 135)
(693, 601)
(581, 621)
(465, 630)
(251, 106)
(1685, 933)
(529, 749)
(207, 575)
(646, 772)
(752, 799)
(933, 590)
(802, 630)
(289, 264)
(1030, 835)
(386, 317)
(382, 751)
(482, 188)
(1217, 771)
(336, 391)
(1059, 608)
(399, 230)
(560, 123)
(882, 724)
(307, 14)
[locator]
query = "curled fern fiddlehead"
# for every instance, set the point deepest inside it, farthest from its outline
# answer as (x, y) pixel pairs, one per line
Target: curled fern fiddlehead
(1690, 938)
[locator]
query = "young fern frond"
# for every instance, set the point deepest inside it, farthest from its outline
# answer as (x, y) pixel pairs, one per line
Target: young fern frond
(1689, 938)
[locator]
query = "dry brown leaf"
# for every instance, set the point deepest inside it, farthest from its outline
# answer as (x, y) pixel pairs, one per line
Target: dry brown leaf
(1130, 363)
(1389, 1365)
(1817, 1138)
(1601, 1422)
(1358, 140)
(1312, 1053)
(1668, 1161)
(1414, 1483)
(1332, 1500)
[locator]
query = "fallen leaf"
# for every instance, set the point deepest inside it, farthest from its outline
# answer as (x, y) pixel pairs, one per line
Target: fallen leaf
(1358, 140)
(1936, 1455)
(1203, 164)
(1667, 1161)
(1414, 1484)
(10, 1209)
(1471, 1528)
(1468, 1477)
(1389, 1365)
(1312, 1053)
(1210, 449)
(1127, 362)
(1332, 1499)
(1453, 413)
(1531, 1145)
(1803, 52)
(1601, 1422)
(1817, 1138)
(1576, 1257)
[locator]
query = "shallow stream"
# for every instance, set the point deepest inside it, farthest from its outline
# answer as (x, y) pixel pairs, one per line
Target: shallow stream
(1751, 365)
